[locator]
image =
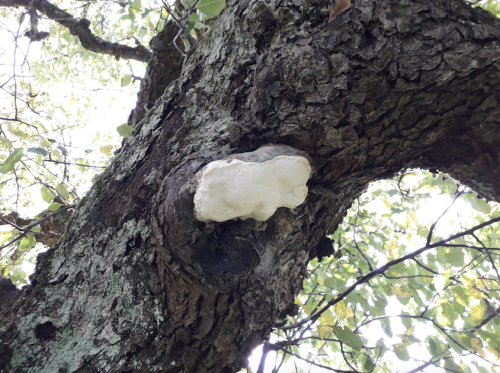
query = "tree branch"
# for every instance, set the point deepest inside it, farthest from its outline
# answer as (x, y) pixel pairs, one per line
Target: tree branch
(382, 269)
(80, 28)
(53, 237)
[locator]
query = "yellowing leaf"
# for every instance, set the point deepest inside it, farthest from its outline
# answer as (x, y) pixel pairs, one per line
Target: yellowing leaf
(106, 149)
(307, 309)
(321, 281)
(343, 312)
(326, 319)
(445, 313)
(477, 313)
(410, 330)
(17, 132)
(475, 344)
(493, 351)
(126, 79)
(394, 250)
(57, 154)
(412, 217)
(400, 293)
(474, 292)
(324, 331)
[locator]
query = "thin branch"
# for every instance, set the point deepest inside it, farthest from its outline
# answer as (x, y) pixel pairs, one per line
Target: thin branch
(319, 365)
(70, 163)
(433, 226)
(10, 223)
(80, 28)
(354, 237)
(265, 352)
(381, 270)
(28, 228)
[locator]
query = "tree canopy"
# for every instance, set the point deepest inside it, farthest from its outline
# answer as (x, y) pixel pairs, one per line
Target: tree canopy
(392, 283)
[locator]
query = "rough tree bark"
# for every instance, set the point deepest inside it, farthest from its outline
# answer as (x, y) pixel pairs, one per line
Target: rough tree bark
(136, 284)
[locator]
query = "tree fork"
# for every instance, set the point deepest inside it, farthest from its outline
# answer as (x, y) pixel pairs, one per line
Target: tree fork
(137, 284)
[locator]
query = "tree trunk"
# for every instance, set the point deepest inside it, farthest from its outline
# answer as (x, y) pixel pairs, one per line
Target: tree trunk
(137, 284)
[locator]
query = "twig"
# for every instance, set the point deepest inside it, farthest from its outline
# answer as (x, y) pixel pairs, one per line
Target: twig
(71, 163)
(384, 268)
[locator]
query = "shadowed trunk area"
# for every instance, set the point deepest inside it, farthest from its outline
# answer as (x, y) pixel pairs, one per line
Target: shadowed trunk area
(137, 284)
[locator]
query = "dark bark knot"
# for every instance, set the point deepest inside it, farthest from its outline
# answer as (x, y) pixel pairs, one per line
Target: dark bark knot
(225, 230)
(46, 331)
(262, 25)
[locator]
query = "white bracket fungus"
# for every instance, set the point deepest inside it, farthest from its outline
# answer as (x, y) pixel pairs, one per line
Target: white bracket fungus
(252, 188)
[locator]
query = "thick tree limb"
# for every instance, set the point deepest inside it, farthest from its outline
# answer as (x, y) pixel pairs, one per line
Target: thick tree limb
(163, 68)
(52, 224)
(80, 28)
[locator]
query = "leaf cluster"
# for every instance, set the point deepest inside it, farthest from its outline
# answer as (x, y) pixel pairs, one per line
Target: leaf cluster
(406, 283)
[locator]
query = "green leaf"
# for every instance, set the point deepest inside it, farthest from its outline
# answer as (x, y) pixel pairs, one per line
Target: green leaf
(456, 347)
(369, 365)
(461, 295)
(63, 150)
(10, 162)
(480, 205)
(124, 130)
(54, 206)
(435, 346)
(445, 314)
(211, 8)
(348, 338)
(47, 195)
(450, 364)
(36, 229)
(195, 17)
(37, 151)
(407, 321)
(479, 368)
(5, 142)
(455, 256)
(401, 352)
(63, 191)
(386, 327)
(492, 339)
(27, 242)
(189, 27)
(126, 79)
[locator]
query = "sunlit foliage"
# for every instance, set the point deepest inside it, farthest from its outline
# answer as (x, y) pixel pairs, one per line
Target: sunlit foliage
(365, 308)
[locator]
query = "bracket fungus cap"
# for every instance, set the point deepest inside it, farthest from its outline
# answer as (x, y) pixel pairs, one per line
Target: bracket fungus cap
(253, 188)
